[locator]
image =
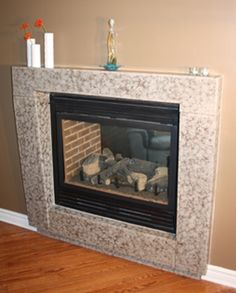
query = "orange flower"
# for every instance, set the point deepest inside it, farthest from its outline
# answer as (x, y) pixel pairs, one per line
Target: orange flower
(39, 24)
(24, 26)
(27, 35)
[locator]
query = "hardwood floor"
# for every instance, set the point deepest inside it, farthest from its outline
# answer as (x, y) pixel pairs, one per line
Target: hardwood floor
(30, 262)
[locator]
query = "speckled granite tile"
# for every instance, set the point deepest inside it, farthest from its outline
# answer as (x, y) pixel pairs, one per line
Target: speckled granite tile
(113, 236)
(186, 252)
(195, 94)
(32, 114)
(197, 156)
(44, 146)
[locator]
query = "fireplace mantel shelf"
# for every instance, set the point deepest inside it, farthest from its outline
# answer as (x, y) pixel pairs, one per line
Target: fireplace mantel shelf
(199, 100)
(121, 70)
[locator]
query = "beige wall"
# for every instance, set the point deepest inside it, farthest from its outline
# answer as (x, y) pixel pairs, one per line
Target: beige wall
(159, 35)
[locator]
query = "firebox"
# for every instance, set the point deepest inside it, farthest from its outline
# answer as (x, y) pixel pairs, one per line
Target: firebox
(116, 158)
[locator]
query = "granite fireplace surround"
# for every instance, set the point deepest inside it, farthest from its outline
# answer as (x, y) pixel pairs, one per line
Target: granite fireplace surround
(185, 252)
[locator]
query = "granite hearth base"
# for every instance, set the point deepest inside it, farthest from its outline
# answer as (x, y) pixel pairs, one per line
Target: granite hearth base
(185, 252)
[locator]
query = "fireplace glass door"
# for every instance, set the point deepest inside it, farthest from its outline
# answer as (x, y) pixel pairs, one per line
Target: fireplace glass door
(122, 160)
(116, 158)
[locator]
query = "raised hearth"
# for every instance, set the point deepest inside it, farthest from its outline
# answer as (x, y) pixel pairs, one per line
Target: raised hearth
(185, 252)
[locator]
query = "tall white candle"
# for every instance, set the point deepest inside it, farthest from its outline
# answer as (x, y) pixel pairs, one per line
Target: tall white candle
(49, 50)
(29, 44)
(36, 55)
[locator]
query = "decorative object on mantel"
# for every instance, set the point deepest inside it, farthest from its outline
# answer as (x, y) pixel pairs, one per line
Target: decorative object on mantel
(33, 50)
(29, 42)
(36, 55)
(202, 71)
(111, 48)
(193, 71)
(48, 44)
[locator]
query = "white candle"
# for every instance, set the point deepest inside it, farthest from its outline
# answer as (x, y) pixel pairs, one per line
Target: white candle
(36, 56)
(29, 44)
(49, 50)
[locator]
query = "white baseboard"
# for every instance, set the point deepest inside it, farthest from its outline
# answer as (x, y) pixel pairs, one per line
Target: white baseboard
(220, 276)
(16, 219)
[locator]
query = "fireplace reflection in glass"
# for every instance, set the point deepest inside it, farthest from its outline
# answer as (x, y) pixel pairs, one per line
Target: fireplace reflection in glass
(125, 161)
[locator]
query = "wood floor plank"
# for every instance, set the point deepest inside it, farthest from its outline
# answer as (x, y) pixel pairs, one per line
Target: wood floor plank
(30, 262)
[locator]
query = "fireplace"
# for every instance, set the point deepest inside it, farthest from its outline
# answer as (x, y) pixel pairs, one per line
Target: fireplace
(116, 158)
(198, 102)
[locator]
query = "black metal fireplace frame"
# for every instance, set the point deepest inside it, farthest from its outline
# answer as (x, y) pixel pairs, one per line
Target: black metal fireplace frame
(164, 116)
